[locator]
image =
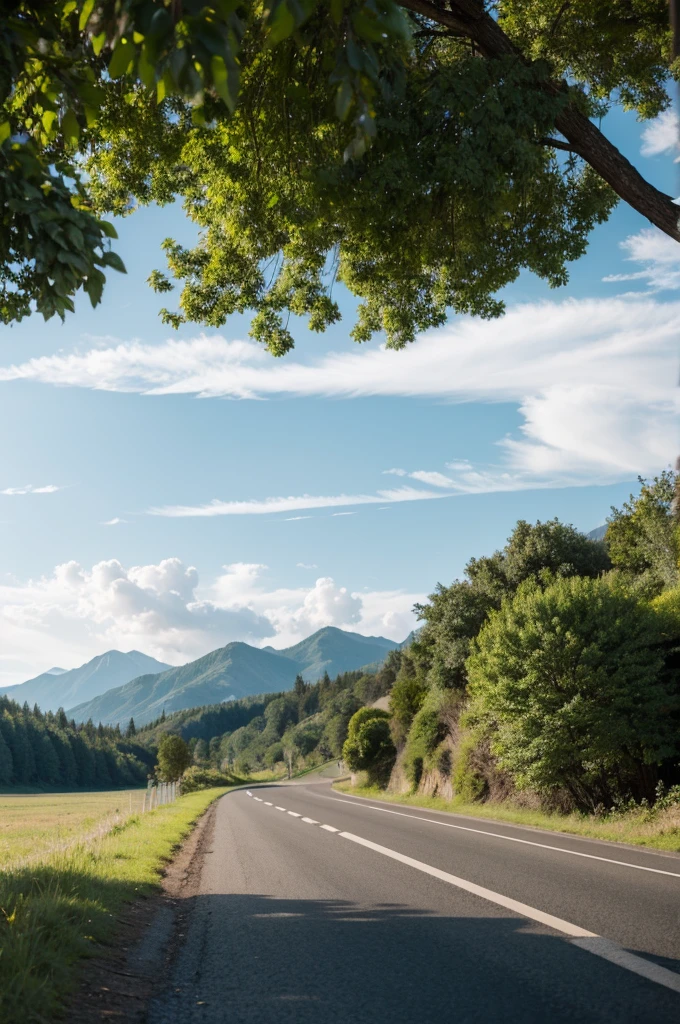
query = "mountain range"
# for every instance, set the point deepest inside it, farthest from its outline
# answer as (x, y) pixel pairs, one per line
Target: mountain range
(58, 688)
(237, 670)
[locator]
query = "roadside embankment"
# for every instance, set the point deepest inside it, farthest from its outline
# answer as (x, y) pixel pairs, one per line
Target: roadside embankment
(656, 827)
(61, 908)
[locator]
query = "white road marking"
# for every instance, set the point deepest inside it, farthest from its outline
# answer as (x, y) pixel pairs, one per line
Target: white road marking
(248, 793)
(589, 941)
(329, 828)
(268, 803)
(277, 808)
(259, 799)
(512, 839)
(295, 814)
(310, 821)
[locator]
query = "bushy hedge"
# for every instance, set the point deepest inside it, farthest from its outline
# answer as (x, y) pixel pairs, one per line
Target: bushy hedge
(198, 777)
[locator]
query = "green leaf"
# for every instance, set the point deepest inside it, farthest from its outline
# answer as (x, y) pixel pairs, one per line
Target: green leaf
(48, 119)
(220, 77)
(107, 229)
(343, 99)
(112, 259)
(98, 43)
(5, 131)
(121, 59)
(282, 24)
(88, 7)
(70, 128)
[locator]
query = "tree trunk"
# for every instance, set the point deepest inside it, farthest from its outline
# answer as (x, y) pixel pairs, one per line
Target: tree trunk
(468, 18)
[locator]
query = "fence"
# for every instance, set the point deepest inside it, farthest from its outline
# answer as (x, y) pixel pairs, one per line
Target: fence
(163, 793)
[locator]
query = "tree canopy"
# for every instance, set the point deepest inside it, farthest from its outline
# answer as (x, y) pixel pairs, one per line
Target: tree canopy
(422, 154)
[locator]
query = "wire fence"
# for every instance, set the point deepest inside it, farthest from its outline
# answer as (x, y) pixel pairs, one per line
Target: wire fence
(162, 793)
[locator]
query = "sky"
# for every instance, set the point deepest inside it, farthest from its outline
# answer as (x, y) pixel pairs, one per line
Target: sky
(173, 491)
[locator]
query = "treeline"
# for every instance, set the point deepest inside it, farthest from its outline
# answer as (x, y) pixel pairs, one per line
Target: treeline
(300, 727)
(550, 672)
(49, 750)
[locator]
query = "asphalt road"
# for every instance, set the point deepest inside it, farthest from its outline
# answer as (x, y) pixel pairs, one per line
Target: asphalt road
(394, 914)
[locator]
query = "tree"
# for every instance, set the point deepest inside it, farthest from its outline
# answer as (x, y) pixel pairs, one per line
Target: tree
(6, 766)
(427, 152)
(569, 681)
(174, 757)
(643, 538)
(201, 752)
(369, 746)
(455, 614)
(131, 729)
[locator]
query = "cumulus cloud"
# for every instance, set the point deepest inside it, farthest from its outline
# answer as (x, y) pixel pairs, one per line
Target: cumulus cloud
(537, 356)
(662, 135)
(74, 613)
(29, 489)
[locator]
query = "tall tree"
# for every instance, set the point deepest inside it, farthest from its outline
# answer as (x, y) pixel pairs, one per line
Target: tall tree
(428, 152)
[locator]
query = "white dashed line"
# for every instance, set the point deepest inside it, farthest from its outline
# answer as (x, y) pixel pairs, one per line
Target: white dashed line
(277, 808)
(259, 799)
(268, 803)
(248, 793)
(310, 821)
(295, 814)
(329, 828)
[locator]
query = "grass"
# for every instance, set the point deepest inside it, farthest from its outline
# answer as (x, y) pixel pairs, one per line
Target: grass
(640, 827)
(59, 908)
(33, 825)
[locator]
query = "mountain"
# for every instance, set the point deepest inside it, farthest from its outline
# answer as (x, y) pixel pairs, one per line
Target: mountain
(598, 533)
(237, 670)
(58, 688)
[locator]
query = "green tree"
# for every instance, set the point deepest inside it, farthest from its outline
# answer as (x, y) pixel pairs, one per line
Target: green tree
(201, 752)
(6, 766)
(643, 537)
(369, 746)
(569, 681)
(429, 151)
(174, 757)
(131, 729)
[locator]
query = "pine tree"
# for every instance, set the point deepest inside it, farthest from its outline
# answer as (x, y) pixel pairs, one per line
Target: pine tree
(131, 729)
(6, 765)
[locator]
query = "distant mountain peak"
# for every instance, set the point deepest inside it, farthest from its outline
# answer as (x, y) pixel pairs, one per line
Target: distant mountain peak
(56, 671)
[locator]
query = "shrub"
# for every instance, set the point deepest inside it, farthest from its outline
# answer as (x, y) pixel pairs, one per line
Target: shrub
(198, 777)
(425, 735)
(173, 757)
(369, 746)
(468, 782)
(570, 681)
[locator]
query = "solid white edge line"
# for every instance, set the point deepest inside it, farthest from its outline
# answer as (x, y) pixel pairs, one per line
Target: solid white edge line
(310, 821)
(295, 814)
(581, 937)
(512, 839)
(329, 828)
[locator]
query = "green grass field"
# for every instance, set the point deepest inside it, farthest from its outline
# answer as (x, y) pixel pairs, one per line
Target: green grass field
(34, 824)
(659, 830)
(61, 906)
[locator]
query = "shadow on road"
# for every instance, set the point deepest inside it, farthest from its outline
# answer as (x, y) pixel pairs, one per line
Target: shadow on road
(259, 959)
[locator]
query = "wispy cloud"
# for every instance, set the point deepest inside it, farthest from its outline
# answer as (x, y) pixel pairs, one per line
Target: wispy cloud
(29, 489)
(116, 521)
(344, 513)
(265, 506)
(659, 257)
(295, 519)
(306, 565)
(662, 135)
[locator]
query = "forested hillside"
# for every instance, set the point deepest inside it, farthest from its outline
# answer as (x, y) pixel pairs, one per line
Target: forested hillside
(550, 673)
(49, 750)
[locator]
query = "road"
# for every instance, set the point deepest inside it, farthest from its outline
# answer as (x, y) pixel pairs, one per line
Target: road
(318, 907)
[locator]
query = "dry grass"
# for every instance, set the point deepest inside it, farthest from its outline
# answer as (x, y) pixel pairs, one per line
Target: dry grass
(35, 824)
(640, 827)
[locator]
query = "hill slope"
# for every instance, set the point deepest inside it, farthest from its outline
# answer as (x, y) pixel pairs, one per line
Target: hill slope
(58, 688)
(237, 670)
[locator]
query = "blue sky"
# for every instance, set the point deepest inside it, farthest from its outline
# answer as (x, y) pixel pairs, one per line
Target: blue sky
(276, 502)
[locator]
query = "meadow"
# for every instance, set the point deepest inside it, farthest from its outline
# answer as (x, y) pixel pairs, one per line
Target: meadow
(36, 824)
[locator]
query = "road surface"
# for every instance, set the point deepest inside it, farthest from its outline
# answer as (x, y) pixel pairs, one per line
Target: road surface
(319, 908)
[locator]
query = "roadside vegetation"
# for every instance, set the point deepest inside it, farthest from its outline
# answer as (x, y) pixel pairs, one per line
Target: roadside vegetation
(63, 907)
(544, 687)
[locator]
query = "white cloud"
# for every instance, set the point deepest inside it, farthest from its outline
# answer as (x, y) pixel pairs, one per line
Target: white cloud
(537, 356)
(74, 613)
(395, 472)
(344, 513)
(433, 478)
(661, 135)
(265, 506)
(116, 521)
(29, 489)
(659, 256)
(305, 565)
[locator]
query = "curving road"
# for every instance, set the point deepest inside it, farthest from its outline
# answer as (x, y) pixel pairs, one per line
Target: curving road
(319, 908)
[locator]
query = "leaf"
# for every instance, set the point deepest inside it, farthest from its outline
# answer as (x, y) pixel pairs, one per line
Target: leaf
(220, 77)
(121, 59)
(94, 286)
(70, 128)
(5, 131)
(107, 229)
(337, 10)
(113, 260)
(282, 24)
(48, 119)
(88, 7)
(343, 99)
(98, 43)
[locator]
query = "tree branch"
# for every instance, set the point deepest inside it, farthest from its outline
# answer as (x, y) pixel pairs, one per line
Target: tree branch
(583, 137)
